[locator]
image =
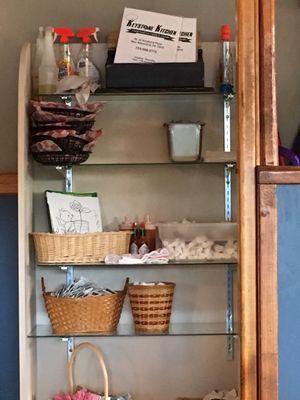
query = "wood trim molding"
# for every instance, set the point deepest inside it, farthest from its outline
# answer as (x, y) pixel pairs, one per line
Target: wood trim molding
(248, 129)
(278, 175)
(267, 293)
(268, 104)
(8, 184)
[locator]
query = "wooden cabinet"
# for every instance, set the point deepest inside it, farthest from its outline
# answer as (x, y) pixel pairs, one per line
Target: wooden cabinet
(149, 367)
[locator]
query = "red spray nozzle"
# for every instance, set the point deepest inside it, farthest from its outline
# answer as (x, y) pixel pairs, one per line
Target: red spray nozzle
(225, 33)
(86, 33)
(64, 33)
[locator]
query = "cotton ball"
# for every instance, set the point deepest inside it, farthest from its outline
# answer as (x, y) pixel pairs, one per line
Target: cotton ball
(218, 248)
(199, 240)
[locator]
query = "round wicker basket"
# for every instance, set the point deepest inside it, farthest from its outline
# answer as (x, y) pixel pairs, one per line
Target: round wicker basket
(151, 306)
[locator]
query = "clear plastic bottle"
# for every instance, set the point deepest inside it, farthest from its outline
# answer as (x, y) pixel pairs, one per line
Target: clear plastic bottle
(226, 62)
(48, 70)
(66, 66)
(37, 59)
(85, 65)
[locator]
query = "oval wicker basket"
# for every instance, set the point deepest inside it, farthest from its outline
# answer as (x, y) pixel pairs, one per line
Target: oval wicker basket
(58, 158)
(93, 314)
(151, 306)
(86, 248)
(67, 144)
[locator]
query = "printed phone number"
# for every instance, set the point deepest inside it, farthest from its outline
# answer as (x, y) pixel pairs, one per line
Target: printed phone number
(145, 49)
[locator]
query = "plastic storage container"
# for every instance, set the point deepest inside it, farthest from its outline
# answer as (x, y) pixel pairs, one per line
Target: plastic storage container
(185, 139)
(188, 241)
(188, 231)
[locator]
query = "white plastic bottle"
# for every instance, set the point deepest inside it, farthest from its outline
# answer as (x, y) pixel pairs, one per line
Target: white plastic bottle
(37, 59)
(48, 70)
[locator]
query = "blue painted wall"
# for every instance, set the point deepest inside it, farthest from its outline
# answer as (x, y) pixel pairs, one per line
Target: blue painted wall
(9, 361)
(289, 291)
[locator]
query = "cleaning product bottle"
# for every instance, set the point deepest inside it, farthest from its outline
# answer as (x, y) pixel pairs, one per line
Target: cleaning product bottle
(226, 62)
(65, 63)
(37, 59)
(48, 71)
(85, 65)
(150, 233)
(143, 247)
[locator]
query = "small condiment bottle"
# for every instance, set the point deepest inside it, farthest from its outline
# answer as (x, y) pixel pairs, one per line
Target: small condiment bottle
(150, 233)
(134, 246)
(126, 225)
(143, 248)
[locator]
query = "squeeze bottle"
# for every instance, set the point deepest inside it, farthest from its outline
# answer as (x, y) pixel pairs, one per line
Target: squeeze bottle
(85, 65)
(65, 63)
(134, 247)
(151, 233)
(143, 246)
(37, 59)
(48, 70)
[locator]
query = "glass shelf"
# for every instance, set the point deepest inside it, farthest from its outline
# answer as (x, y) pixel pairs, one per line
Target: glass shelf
(121, 164)
(143, 164)
(154, 91)
(182, 264)
(127, 330)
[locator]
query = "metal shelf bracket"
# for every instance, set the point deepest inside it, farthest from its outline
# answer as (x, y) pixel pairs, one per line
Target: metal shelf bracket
(230, 269)
(227, 122)
(68, 269)
(70, 346)
(230, 313)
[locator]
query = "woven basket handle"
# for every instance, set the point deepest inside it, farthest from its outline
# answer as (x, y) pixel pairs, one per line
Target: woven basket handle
(43, 285)
(101, 362)
(126, 286)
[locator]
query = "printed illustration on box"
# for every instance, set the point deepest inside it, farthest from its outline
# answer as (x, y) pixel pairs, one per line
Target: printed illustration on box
(74, 213)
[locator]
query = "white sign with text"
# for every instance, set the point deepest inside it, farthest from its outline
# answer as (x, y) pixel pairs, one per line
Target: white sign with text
(149, 37)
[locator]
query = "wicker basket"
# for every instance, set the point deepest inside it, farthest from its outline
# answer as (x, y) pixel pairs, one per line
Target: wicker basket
(60, 158)
(151, 306)
(67, 144)
(93, 314)
(86, 248)
(79, 126)
(100, 357)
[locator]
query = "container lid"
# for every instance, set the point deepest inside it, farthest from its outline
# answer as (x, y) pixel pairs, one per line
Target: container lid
(225, 33)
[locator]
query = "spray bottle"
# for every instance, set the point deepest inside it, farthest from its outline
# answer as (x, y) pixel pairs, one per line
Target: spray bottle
(85, 65)
(37, 59)
(226, 62)
(48, 70)
(65, 63)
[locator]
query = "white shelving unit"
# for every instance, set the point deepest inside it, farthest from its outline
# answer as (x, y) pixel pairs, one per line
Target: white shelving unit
(131, 172)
